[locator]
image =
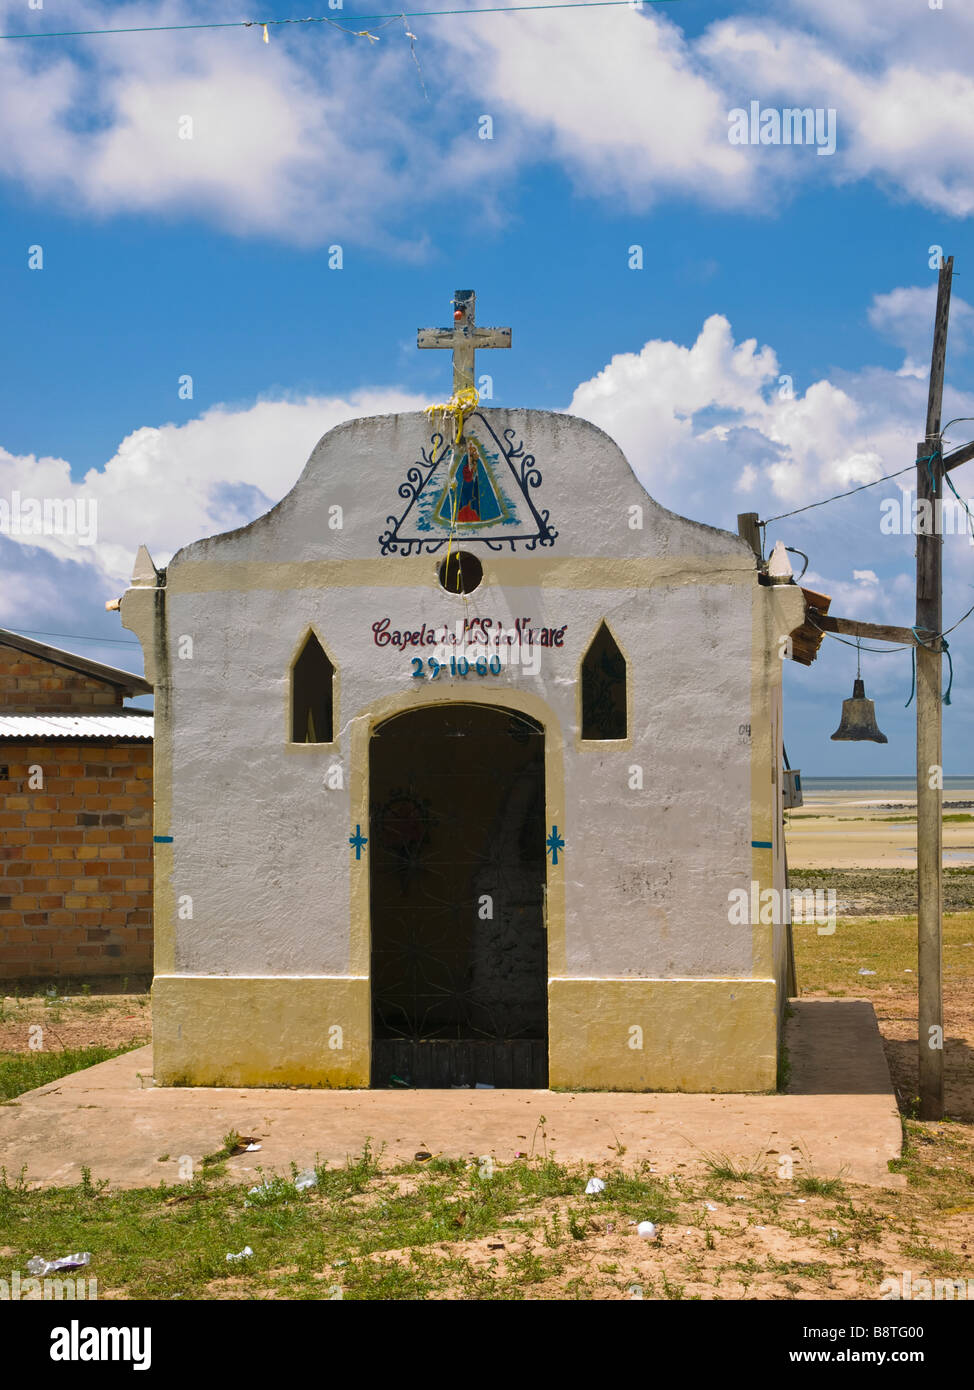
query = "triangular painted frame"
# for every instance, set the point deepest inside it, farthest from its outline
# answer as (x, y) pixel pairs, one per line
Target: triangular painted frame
(524, 474)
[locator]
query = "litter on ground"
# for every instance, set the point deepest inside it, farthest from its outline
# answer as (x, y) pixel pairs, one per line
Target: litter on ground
(38, 1266)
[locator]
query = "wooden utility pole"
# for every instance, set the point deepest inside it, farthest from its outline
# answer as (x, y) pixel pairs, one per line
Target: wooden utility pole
(929, 624)
(927, 641)
(748, 528)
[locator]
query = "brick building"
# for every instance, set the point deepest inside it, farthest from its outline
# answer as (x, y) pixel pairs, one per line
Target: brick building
(75, 820)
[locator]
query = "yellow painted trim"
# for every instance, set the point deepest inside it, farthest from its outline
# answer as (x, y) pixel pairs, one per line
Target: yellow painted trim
(696, 1035)
(330, 745)
(234, 1030)
(762, 760)
(363, 726)
(414, 571)
(144, 613)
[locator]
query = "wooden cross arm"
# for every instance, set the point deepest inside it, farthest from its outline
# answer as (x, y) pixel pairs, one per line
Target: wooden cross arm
(471, 334)
(958, 456)
(849, 627)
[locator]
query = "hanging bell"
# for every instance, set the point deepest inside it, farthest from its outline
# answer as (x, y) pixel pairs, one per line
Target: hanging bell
(859, 718)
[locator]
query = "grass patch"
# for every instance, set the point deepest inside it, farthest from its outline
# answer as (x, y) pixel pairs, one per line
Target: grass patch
(24, 1071)
(360, 1232)
(888, 946)
(725, 1169)
(516, 1231)
(931, 1256)
(820, 1187)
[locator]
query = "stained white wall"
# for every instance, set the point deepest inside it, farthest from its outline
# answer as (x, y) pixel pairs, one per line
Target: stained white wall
(260, 841)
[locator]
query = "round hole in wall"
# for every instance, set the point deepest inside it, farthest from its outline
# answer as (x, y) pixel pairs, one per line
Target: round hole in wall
(460, 572)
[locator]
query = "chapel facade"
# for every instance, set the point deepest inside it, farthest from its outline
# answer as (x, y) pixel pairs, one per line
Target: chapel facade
(462, 753)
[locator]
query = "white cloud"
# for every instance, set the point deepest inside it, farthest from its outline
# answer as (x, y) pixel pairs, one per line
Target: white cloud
(776, 455)
(633, 107)
(704, 425)
(895, 125)
(619, 96)
(905, 317)
(317, 136)
(171, 484)
(303, 138)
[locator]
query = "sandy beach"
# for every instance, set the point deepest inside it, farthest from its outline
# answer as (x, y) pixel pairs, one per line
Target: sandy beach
(860, 827)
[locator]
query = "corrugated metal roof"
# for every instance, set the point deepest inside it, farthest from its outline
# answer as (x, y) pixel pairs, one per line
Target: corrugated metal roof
(76, 726)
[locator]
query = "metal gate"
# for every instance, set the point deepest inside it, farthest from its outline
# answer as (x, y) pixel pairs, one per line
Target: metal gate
(457, 878)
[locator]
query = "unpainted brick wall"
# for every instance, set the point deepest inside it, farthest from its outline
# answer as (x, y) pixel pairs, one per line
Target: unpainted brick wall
(75, 861)
(31, 685)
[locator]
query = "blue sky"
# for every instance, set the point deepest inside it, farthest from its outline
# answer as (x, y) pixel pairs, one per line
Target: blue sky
(210, 257)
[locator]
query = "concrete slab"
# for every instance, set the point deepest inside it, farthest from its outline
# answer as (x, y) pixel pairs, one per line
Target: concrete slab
(838, 1117)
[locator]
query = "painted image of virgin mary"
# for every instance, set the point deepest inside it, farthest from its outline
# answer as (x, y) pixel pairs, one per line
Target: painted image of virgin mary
(472, 498)
(468, 485)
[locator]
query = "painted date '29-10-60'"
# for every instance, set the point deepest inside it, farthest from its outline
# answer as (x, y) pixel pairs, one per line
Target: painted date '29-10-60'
(456, 666)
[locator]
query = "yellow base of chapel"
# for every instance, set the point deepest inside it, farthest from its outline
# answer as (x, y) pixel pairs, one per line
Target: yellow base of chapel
(619, 1034)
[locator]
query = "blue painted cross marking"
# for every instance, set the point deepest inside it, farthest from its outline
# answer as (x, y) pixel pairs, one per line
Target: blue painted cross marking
(359, 841)
(554, 843)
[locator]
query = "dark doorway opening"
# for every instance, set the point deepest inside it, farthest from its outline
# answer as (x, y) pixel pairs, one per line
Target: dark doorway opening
(457, 878)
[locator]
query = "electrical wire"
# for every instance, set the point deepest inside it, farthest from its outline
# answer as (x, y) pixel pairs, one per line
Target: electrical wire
(837, 495)
(959, 621)
(74, 637)
(324, 19)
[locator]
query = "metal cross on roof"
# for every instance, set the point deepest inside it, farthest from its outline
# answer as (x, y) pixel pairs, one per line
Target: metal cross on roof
(464, 338)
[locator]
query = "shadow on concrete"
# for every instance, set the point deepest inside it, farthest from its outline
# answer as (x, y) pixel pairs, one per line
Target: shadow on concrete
(835, 1049)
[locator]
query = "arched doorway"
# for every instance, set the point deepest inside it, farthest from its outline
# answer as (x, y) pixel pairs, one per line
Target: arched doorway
(457, 885)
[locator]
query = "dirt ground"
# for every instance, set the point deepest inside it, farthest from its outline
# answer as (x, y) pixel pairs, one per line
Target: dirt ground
(111, 1020)
(737, 1230)
(896, 1012)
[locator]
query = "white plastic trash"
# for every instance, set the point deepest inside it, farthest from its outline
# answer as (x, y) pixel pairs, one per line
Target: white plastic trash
(40, 1267)
(594, 1186)
(244, 1254)
(646, 1229)
(308, 1178)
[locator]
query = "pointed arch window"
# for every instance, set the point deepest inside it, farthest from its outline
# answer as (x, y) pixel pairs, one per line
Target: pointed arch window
(312, 695)
(604, 696)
